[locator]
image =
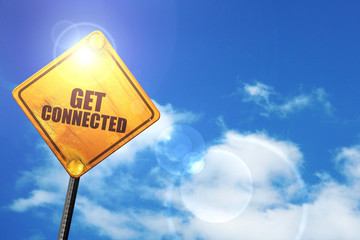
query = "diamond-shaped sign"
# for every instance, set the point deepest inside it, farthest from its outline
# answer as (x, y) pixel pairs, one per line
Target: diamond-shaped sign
(86, 104)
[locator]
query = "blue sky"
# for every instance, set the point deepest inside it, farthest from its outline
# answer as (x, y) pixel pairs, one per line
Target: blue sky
(262, 94)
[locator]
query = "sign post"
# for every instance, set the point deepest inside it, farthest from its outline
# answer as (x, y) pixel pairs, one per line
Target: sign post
(68, 208)
(85, 104)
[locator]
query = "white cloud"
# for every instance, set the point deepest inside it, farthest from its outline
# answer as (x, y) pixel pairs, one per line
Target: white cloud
(128, 224)
(37, 198)
(260, 94)
(250, 188)
(107, 222)
(47, 174)
(221, 191)
(332, 213)
(295, 104)
(220, 194)
(348, 159)
(322, 97)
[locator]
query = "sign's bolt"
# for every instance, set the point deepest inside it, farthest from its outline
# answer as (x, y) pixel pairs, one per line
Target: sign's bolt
(75, 167)
(96, 40)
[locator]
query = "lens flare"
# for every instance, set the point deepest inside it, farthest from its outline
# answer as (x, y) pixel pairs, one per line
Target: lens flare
(221, 191)
(92, 56)
(193, 163)
(84, 56)
(180, 149)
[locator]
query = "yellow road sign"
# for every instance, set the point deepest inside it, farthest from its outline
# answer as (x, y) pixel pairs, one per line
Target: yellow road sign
(86, 104)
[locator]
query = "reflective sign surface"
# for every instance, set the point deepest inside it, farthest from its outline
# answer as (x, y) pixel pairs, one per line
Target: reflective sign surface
(86, 104)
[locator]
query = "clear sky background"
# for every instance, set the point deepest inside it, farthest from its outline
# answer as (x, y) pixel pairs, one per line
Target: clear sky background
(259, 132)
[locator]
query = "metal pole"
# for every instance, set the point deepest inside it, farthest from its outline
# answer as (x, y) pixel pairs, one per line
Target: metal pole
(68, 208)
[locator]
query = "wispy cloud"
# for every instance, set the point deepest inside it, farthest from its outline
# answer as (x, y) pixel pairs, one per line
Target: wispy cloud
(272, 103)
(348, 160)
(37, 198)
(106, 221)
(258, 92)
(39, 236)
(126, 224)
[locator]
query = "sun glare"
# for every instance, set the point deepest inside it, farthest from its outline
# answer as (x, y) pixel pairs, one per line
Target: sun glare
(85, 56)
